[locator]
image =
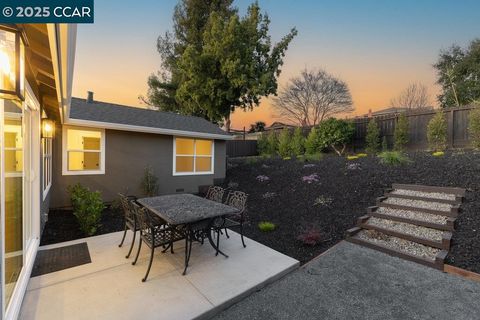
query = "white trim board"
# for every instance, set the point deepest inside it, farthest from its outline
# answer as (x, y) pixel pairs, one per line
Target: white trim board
(128, 127)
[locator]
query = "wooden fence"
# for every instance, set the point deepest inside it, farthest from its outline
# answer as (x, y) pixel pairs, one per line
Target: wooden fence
(241, 148)
(457, 131)
(457, 128)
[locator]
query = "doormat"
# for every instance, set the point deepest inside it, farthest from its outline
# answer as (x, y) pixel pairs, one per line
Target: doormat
(57, 259)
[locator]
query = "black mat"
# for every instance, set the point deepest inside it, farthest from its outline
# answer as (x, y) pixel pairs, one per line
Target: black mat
(57, 259)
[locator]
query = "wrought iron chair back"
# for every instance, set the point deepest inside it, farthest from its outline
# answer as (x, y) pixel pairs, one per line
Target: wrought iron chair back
(237, 199)
(127, 208)
(144, 218)
(215, 193)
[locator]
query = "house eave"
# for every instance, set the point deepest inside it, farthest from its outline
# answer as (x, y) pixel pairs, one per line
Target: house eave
(133, 128)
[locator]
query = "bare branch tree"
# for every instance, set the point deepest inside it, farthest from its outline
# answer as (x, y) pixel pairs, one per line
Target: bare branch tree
(415, 96)
(312, 97)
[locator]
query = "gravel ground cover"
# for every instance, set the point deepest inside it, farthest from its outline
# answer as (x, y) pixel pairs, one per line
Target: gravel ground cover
(407, 228)
(414, 215)
(398, 244)
(433, 195)
(419, 204)
(352, 186)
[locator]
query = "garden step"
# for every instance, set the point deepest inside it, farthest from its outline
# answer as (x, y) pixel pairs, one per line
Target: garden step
(418, 218)
(458, 192)
(425, 196)
(426, 236)
(405, 249)
(438, 208)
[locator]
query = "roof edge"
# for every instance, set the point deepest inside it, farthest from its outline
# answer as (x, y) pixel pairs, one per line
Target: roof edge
(134, 128)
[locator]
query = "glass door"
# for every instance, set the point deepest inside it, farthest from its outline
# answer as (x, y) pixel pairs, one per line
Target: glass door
(13, 203)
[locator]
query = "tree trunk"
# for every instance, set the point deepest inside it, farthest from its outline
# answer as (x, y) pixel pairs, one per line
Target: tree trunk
(227, 123)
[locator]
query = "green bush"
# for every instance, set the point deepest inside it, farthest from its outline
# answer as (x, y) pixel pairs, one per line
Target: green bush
(384, 144)
(149, 182)
(266, 226)
(284, 143)
(437, 132)
(474, 127)
(438, 154)
(87, 208)
(393, 158)
(335, 133)
(262, 144)
(400, 135)
(272, 143)
(298, 142)
(372, 138)
(312, 145)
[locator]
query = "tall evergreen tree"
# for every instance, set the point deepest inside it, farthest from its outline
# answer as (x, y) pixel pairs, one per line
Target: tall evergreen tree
(217, 61)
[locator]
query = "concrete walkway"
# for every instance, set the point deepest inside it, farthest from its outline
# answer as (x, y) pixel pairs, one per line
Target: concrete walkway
(353, 282)
(111, 288)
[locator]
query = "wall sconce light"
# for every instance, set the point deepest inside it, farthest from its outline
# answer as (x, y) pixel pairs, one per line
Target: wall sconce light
(48, 128)
(12, 63)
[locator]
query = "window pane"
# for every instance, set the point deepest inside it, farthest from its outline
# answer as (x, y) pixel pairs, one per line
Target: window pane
(204, 147)
(13, 134)
(13, 160)
(83, 139)
(83, 160)
(203, 164)
(184, 164)
(184, 146)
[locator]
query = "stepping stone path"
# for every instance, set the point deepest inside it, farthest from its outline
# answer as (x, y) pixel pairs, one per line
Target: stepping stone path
(413, 222)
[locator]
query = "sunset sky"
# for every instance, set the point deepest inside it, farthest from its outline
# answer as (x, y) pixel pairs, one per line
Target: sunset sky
(377, 47)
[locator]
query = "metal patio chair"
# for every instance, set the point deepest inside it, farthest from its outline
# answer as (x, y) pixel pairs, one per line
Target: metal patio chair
(236, 199)
(130, 223)
(215, 193)
(154, 234)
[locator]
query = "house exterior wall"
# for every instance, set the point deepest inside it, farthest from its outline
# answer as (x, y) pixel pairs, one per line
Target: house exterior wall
(127, 154)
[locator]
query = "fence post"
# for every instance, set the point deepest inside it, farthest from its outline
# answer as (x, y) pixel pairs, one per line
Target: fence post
(452, 129)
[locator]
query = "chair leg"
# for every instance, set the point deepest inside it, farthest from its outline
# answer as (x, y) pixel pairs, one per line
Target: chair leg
(149, 264)
(171, 248)
(131, 246)
(218, 241)
(226, 233)
(241, 235)
(123, 238)
(138, 251)
(187, 256)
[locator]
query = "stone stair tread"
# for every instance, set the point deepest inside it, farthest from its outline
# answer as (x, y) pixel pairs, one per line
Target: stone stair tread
(413, 215)
(418, 204)
(397, 244)
(424, 194)
(406, 228)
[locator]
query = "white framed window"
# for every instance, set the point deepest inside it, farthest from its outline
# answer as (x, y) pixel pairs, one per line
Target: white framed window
(83, 151)
(47, 147)
(193, 156)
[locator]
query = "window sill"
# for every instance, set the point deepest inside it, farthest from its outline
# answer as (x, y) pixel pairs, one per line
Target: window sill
(192, 173)
(83, 173)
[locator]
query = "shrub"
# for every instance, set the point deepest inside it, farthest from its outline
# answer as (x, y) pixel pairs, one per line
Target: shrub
(438, 154)
(87, 208)
(372, 138)
(262, 178)
(474, 127)
(149, 182)
(312, 145)
(266, 226)
(272, 143)
(362, 155)
(251, 160)
(437, 132)
(336, 134)
(284, 143)
(400, 135)
(310, 237)
(297, 146)
(393, 158)
(322, 201)
(262, 144)
(310, 157)
(352, 157)
(310, 178)
(384, 144)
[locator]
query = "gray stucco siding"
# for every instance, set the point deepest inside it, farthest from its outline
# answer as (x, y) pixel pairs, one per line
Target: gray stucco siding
(127, 154)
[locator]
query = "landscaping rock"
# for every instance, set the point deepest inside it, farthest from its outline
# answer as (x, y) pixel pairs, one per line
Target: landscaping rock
(433, 195)
(407, 228)
(420, 204)
(413, 215)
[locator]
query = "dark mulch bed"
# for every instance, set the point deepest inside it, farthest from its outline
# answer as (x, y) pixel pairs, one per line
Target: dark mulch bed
(62, 225)
(292, 208)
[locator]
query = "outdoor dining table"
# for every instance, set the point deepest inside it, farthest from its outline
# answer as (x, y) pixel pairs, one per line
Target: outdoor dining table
(197, 214)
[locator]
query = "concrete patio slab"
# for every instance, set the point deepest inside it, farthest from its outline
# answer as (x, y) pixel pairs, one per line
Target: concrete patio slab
(353, 282)
(111, 288)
